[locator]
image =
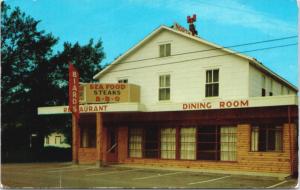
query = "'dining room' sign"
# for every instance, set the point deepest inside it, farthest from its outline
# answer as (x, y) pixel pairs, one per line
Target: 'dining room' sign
(105, 92)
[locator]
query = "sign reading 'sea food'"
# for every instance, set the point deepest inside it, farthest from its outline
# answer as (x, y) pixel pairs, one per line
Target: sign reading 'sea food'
(108, 93)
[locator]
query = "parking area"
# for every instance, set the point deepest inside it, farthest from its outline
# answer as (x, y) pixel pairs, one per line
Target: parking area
(66, 175)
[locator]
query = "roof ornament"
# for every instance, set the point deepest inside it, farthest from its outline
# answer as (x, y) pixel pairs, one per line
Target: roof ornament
(192, 27)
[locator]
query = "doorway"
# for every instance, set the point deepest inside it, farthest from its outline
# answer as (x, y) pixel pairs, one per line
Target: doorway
(112, 145)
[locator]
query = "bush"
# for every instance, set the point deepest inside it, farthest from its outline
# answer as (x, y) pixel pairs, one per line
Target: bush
(47, 154)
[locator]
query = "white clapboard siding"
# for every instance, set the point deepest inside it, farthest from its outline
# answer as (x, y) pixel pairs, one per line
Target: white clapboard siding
(237, 78)
(255, 84)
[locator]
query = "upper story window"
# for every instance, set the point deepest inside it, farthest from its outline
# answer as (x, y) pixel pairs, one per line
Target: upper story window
(164, 50)
(263, 84)
(212, 83)
(282, 90)
(164, 87)
(271, 88)
(123, 81)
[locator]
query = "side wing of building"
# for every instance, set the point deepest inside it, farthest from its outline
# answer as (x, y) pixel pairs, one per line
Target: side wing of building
(263, 83)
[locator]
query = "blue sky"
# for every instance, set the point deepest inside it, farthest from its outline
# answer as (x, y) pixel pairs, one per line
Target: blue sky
(122, 23)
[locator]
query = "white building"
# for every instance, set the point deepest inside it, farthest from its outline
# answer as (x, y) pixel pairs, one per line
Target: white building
(56, 140)
(200, 105)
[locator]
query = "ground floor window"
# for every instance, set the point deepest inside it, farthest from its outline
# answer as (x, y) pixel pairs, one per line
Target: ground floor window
(168, 143)
(189, 143)
(208, 143)
(135, 142)
(151, 148)
(228, 143)
(266, 138)
(88, 136)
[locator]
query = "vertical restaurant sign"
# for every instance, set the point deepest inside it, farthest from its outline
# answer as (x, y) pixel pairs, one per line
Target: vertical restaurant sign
(74, 90)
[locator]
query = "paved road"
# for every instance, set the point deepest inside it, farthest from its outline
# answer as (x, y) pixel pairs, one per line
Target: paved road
(66, 175)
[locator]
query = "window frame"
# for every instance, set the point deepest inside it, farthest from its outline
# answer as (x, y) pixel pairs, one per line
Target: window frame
(212, 83)
(60, 139)
(218, 151)
(180, 142)
(266, 141)
(166, 86)
(123, 80)
(91, 138)
(147, 141)
(281, 90)
(47, 140)
(167, 142)
(263, 92)
(142, 141)
(263, 84)
(271, 88)
(164, 50)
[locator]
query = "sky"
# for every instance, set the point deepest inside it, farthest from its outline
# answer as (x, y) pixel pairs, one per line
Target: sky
(121, 24)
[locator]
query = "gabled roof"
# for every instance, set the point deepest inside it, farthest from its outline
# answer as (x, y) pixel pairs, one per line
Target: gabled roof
(252, 61)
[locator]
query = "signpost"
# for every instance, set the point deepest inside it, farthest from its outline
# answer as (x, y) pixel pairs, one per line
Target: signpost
(74, 91)
(74, 108)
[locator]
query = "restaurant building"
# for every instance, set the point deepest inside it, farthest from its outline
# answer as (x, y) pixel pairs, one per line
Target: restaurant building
(177, 100)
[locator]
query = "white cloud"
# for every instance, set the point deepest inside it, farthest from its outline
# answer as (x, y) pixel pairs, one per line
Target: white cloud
(226, 12)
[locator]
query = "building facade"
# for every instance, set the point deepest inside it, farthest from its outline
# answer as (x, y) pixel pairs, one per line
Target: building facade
(195, 105)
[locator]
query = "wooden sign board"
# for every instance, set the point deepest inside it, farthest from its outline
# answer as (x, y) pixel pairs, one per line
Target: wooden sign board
(108, 93)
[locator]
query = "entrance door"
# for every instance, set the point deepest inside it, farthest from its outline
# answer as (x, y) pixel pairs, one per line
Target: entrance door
(112, 145)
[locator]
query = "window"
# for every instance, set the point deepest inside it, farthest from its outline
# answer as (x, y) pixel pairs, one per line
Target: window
(263, 92)
(212, 83)
(228, 143)
(88, 136)
(263, 84)
(208, 147)
(144, 142)
(151, 147)
(194, 143)
(123, 81)
(266, 138)
(47, 140)
(282, 90)
(135, 142)
(188, 143)
(216, 143)
(57, 140)
(271, 88)
(168, 143)
(164, 50)
(164, 87)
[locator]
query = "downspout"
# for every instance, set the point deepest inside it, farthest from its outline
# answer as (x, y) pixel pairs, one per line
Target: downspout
(290, 141)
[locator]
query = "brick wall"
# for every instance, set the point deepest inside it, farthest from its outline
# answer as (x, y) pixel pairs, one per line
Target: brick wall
(122, 144)
(273, 162)
(87, 155)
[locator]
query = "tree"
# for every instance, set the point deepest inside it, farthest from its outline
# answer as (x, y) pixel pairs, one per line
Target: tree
(33, 76)
(85, 58)
(24, 53)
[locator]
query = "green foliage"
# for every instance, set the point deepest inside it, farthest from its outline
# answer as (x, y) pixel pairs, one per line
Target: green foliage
(33, 75)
